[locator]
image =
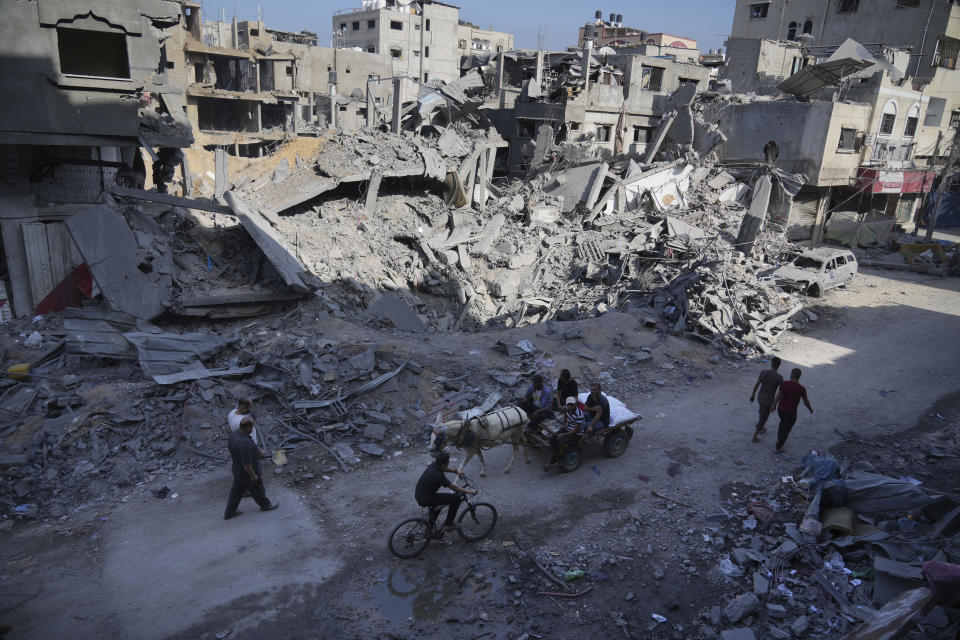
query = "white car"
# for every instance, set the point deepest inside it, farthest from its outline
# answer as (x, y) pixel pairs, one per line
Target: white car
(816, 270)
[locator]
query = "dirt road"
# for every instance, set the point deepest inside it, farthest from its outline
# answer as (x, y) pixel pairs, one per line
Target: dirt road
(878, 356)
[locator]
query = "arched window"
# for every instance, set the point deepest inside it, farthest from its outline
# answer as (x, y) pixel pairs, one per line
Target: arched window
(889, 118)
(792, 31)
(913, 118)
(808, 26)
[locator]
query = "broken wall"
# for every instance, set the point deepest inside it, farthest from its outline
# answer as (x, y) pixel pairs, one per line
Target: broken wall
(758, 66)
(807, 135)
(80, 83)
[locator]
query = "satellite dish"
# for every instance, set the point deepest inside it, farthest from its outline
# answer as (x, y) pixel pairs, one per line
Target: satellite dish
(357, 94)
(606, 51)
(805, 38)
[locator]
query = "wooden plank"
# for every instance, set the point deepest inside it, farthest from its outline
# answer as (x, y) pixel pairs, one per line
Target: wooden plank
(38, 260)
(174, 201)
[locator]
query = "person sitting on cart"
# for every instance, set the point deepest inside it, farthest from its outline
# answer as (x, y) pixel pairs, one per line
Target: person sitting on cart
(597, 409)
(538, 402)
(574, 423)
(566, 387)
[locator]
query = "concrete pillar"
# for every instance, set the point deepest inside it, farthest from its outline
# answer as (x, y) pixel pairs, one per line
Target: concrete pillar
(235, 35)
(397, 104)
(371, 103)
(482, 180)
(818, 223)
(585, 65)
(500, 80)
(539, 75)
(333, 106)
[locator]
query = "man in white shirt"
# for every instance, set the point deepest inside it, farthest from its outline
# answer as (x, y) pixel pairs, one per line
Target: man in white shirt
(244, 406)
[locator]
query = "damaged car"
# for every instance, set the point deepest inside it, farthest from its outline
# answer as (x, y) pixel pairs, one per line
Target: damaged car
(815, 271)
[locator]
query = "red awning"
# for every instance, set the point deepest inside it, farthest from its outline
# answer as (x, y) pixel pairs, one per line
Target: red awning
(881, 181)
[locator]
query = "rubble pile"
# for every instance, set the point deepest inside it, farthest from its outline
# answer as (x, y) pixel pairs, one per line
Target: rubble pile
(575, 239)
(816, 556)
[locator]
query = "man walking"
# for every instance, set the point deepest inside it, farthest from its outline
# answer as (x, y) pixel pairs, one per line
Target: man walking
(244, 407)
(787, 401)
(246, 471)
(768, 383)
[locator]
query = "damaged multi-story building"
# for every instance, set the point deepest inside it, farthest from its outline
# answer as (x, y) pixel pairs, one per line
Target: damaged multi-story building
(93, 88)
(616, 100)
(249, 87)
(862, 123)
(424, 39)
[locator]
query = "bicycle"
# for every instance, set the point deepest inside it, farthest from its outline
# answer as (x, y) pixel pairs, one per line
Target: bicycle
(411, 536)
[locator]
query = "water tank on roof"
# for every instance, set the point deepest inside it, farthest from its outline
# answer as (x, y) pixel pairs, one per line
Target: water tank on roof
(599, 15)
(619, 19)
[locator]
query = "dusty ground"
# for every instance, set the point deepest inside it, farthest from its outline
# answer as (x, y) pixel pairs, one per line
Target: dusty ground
(876, 363)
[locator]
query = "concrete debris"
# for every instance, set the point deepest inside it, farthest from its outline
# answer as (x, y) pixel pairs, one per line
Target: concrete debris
(740, 607)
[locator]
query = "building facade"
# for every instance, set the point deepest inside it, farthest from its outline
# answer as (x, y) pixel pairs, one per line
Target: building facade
(928, 29)
(93, 93)
(424, 40)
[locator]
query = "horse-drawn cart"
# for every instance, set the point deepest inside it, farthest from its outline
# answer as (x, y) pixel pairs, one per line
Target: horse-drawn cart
(614, 440)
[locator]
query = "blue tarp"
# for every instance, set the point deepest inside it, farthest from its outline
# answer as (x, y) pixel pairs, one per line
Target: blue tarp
(949, 215)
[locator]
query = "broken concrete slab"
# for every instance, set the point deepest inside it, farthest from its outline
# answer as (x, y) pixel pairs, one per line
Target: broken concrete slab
(740, 607)
(173, 201)
(372, 449)
(575, 184)
(289, 268)
(120, 267)
(451, 145)
(375, 432)
(738, 634)
(892, 578)
(391, 307)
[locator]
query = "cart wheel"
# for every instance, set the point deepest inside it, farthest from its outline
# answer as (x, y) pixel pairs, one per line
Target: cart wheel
(571, 458)
(615, 443)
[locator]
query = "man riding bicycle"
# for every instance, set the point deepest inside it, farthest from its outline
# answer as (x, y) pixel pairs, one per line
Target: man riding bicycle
(429, 484)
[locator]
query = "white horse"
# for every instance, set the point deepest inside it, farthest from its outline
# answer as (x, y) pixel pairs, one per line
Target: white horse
(483, 432)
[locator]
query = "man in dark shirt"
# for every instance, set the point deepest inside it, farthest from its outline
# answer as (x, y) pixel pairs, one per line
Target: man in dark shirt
(597, 409)
(788, 399)
(537, 402)
(246, 470)
(432, 480)
(566, 388)
(768, 383)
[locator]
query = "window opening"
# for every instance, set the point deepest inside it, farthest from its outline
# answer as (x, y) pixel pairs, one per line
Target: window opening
(93, 53)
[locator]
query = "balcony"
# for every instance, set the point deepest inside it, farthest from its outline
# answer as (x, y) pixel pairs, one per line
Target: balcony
(886, 151)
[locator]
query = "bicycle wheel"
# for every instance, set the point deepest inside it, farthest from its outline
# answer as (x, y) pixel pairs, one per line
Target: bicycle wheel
(409, 538)
(477, 521)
